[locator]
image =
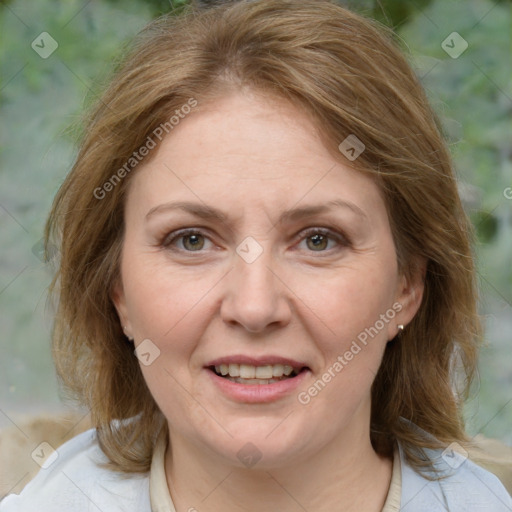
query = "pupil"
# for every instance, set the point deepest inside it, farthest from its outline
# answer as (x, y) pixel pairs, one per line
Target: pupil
(193, 242)
(318, 241)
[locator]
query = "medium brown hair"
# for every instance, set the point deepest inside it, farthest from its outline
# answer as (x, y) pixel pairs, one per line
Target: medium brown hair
(349, 75)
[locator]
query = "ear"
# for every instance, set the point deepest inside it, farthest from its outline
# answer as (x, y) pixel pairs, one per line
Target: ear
(118, 298)
(409, 294)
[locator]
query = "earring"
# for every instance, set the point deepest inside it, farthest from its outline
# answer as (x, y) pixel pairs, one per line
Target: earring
(126, 334)
(400, 328)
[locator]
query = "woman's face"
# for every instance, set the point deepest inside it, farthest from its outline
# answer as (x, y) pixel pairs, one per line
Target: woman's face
(250, 249)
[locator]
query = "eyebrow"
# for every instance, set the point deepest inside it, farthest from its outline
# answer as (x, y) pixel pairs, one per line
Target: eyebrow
(206, 212)
(308, 211)
(199, 210)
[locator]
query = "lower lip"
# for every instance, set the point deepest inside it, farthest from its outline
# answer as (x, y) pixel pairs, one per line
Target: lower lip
(258, 393)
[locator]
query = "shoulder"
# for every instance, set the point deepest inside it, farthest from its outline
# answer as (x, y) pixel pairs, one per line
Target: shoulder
(73, 478)
(461, 486)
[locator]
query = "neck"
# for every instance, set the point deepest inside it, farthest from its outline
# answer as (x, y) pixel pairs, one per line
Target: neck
(345, 475)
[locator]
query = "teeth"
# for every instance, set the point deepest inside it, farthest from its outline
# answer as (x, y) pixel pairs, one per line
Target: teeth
(264, 372)
(287, 370)
(253, 381)
(247, 371)
(277, 370)
(234, 370)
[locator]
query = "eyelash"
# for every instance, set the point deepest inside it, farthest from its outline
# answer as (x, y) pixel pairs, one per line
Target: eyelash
(340, 239)
(181, 233)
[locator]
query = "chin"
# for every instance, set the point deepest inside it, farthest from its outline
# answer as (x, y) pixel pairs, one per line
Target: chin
(264, 443)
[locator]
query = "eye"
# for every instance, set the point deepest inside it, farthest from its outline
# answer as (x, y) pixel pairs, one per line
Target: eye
(187, 240)
(318, 242)
(193, 242)
(322, 240)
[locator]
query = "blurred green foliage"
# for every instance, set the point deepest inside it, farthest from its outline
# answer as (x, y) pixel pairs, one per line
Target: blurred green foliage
(41, 103)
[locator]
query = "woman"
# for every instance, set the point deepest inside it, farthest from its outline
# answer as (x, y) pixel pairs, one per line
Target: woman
(267, 293)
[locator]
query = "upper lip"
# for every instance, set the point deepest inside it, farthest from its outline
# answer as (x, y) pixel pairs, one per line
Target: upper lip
(257, 361)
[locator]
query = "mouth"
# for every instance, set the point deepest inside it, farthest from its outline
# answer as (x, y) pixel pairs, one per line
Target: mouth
(257, 374)
(253, 380)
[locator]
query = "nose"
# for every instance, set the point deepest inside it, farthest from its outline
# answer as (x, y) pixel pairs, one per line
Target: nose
(256, 296)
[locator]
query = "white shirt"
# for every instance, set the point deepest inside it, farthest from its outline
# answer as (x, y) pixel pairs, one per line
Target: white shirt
(76, 482)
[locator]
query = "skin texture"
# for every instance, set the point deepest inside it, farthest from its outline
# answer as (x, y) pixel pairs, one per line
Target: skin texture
(253, 158)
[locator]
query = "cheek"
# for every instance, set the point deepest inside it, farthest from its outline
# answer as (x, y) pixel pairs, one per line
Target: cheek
(167, 308)
(161, 299)
(172, 309)
(349, 304)
(350, 331)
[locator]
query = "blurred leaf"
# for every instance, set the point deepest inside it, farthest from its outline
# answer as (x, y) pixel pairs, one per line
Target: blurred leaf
(486, 226)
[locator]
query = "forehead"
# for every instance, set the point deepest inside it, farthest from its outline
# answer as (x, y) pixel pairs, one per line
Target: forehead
(260, 151)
